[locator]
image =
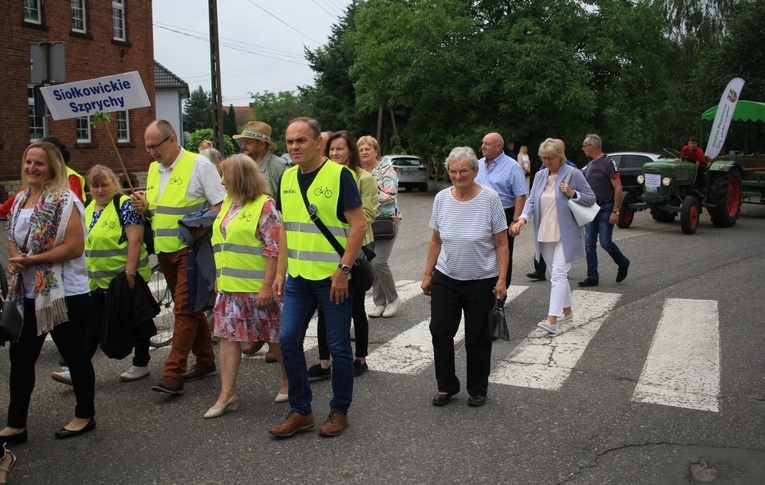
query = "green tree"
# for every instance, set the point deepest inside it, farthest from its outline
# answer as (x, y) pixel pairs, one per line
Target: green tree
(197, 111)
(277, 109)
(229, 121)
(207, 134)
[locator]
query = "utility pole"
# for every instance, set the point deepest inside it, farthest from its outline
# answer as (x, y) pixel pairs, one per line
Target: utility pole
(217, 93)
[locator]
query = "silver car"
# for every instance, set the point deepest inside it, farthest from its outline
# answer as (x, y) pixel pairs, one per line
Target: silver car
(411, 172)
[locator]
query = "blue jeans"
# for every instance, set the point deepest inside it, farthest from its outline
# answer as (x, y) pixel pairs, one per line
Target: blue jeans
(301, 297)
(601, 227)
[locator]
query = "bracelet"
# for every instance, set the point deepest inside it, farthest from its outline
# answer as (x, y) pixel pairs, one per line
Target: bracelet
(129, 273)
(615, 212)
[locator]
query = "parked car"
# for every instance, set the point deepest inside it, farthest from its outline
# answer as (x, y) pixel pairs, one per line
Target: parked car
(411, 172)
(630, 167)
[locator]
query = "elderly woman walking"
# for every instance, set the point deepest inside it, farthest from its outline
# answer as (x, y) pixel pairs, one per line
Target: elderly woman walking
(465, 272)
(557, 237)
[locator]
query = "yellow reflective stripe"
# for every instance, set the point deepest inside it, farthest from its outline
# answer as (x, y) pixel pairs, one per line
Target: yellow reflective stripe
(104, 253)
(165, 232)
(182, 211)
(249, 274)
(314, 256)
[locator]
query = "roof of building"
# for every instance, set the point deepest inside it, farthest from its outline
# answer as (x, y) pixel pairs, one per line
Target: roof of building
(243, 114)
(165, 79)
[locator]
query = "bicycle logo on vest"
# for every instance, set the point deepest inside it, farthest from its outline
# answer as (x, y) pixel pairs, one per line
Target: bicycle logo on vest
(322, 191)
(176, 180)
(246, 216)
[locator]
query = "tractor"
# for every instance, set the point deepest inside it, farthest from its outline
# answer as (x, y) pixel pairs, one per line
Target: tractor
(671, 187)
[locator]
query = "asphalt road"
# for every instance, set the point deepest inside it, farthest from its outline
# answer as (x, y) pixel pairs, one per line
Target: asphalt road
(590, 429)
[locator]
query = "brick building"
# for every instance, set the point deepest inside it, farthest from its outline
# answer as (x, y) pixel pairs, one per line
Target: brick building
(101, 38)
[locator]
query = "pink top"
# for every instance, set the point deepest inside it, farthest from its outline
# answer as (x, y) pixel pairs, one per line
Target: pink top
(549, 230)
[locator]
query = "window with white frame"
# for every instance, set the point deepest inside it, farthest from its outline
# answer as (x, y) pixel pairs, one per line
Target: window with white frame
(32, 11)
(36, 128)
(83, 129)
(118, 11)
(78, 16)
(123, 127)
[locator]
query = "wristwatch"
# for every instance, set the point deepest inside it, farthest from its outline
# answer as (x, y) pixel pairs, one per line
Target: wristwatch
(616, 212)
(344, 268)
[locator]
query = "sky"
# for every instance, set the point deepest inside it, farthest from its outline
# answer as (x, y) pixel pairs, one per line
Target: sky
(261, 42)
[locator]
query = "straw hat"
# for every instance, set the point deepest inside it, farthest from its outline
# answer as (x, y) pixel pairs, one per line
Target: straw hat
(257, 130)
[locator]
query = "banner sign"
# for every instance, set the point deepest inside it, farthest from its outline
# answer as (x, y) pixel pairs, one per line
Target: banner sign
(725, 110)
(101, 95)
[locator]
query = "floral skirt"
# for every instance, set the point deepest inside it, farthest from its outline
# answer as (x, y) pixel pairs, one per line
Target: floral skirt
(237, 318)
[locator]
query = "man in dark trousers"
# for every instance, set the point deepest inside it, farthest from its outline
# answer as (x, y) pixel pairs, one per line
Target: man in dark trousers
(603, 176)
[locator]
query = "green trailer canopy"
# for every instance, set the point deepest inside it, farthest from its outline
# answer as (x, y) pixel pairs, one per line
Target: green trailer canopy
(745, 111)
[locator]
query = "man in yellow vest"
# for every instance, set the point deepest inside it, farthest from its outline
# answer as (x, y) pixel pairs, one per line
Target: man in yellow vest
(317, 273)
(179, 183)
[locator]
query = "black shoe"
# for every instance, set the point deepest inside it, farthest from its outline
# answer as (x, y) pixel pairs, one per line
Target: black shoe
(588, 282)
(359, 368)
(536, 276)
(476, 401)
(317, 373)
(622, 273)
(14, 439)
(64, 433)
(441, 399)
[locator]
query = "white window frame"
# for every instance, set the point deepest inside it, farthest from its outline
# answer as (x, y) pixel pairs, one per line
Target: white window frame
(123, 133)
(78, 7)
(120, 25)
(31, 6)
(36, 125)
(82, 131)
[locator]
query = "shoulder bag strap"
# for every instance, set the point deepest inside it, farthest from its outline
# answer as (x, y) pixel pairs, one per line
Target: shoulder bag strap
(315, 218)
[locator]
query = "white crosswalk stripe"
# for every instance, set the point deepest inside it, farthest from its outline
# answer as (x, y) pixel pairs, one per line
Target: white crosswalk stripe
(543, 362)
(412, 351)
(682, 368)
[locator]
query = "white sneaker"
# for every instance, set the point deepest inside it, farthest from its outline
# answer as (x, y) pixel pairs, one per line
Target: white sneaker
(549, 327)
(134, 373)
(377, 312)
(64, 377)
(392, 308)
(566, 318)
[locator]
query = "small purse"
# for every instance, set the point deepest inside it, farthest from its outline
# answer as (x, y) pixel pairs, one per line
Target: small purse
(384, 228)
(497, 323)
(11, 321)
(582, 214)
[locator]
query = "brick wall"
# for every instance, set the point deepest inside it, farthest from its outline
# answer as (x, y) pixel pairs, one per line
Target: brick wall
(90, 55)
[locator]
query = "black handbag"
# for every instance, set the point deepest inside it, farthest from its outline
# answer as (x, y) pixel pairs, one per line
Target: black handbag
(361, 272)
(11, 321)
(384, 228)
(497, 323)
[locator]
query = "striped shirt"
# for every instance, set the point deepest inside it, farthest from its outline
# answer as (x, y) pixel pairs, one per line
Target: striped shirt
(467, 232)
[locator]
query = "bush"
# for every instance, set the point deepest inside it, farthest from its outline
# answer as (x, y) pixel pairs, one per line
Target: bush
(207, 134)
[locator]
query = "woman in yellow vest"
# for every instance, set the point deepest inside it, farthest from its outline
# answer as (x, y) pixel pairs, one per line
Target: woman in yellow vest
(114, 244)
(246, 243)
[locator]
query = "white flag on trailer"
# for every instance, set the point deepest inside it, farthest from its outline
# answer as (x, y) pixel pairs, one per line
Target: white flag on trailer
(725, 110)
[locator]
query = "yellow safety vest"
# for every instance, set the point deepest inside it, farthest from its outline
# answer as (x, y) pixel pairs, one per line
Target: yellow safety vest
(105, 256)
(172, 205)
(69, 172)
(309, 254)
(239, 261)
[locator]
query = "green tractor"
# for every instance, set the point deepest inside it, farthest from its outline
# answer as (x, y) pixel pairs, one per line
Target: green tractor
(670, 188)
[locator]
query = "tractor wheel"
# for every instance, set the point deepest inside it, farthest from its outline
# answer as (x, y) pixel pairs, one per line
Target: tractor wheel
(725, 192)
(689, 214)
(662, 215)
(626, 215)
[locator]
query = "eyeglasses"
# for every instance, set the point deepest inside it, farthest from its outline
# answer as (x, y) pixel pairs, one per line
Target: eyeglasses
(154, 147)
(461, 173)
